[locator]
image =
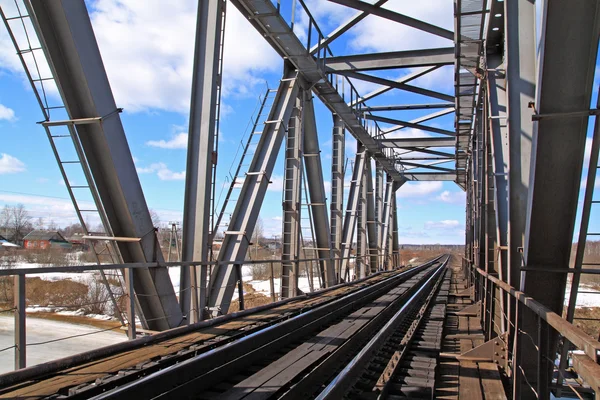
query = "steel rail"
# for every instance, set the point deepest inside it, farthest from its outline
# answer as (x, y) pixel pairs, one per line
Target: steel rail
(198, 373)
(55, 367)
(344, 380)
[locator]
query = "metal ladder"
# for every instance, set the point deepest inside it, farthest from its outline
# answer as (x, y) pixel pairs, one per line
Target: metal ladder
(214, 224)
(21, 30)
(245, 152)
(307, 231)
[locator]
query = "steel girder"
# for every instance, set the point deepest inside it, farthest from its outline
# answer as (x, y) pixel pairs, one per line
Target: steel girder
(387, 212)
(499, 143)
(343, 28)
(338, 144)
(394, 59)
(372, 224)
(374, 9)
(360, 269)
(292, 185)
(66, 33)
(265, 17)
(244, 217)
(418, 142)
(408, 124)
(566, 67)
(352, 211)
(379, 213)
(196, 240)
(399, 83)
(316, 189)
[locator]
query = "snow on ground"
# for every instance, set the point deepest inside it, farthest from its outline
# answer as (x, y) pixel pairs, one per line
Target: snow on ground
(43, 330)
(591, 297)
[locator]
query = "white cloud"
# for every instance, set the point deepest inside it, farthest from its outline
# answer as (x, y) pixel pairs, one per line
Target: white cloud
(162, 171)
(7, 114)
(10, 164)
(445, 224)
(368, 34)
(276, 184)
(418, 189)
(178, 141)
(452, 197)
(42, 180)
(148, 48)
(59, 210)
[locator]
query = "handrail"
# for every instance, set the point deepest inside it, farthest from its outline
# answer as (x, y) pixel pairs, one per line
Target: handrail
(576, 336)
(102, 267)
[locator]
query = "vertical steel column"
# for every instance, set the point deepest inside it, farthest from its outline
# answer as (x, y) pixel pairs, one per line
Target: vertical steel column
(131, 331)
(395, 236)
(499, 144)
(201, 141)
(567, 52)
(244, 217)
(361, 237)
(20, 316)
(292, 185)
(351, 211)
(316, 189)
(371, 220)
(337, 189)
(520, 80)
(68, 40)
(379, 212)
(385, 235)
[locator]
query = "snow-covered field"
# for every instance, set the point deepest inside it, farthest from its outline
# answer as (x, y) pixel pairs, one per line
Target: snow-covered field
(43, 330)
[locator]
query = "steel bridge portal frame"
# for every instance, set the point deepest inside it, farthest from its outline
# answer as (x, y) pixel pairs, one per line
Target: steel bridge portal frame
(68, 41)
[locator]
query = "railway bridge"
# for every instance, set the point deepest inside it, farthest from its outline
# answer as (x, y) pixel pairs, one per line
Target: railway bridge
(496, 321)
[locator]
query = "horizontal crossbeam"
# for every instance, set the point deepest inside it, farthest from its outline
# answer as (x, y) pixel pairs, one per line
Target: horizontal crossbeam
(389, 60)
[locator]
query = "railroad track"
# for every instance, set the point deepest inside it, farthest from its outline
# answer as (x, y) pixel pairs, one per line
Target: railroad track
(99, 373)
(294, 358)
(401, 360)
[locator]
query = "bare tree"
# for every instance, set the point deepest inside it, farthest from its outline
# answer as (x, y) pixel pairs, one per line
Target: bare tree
(19, 221)
(155, 218)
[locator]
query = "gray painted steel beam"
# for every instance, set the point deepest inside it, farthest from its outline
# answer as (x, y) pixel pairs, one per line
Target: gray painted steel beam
(395, 236)
(399, 84)
(430, 176)
(386, 229)
(65, 29)
(379, 212)
(352, 211)
(566, 67)
(390, 60)
(418, 142)
(500, 150)
(418, 120)
(401, 107)
(340, 30)
(292, 184)
(361, 266)
(371, 219)
(316, 189)
(338, 158)
(264, 16)
(199, 170)
(244, 217)
(403, 80)
(394, 16)
(409, 124)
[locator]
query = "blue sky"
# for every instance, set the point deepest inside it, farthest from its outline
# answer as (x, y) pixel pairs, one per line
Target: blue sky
(147, 48)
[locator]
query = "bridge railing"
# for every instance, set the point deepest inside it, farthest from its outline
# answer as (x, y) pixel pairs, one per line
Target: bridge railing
(509, 336)
(20, 305)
